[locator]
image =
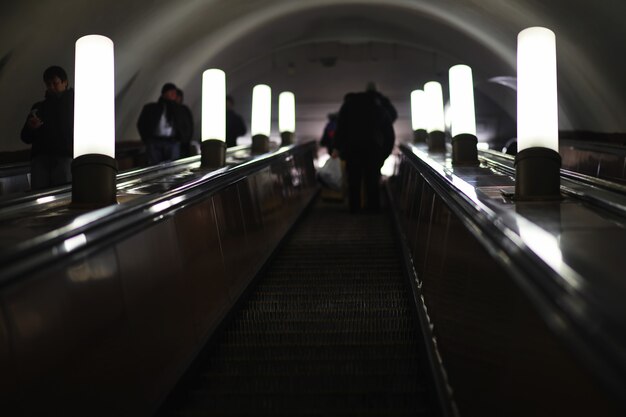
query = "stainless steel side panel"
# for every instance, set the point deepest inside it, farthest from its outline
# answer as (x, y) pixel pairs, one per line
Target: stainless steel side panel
(203, 269)
(67, 324)
(102, 320)
(159, 315)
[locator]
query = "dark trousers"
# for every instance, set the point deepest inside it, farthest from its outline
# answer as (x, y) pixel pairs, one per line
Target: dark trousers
(49, 171)
(363, 172)
(161, 150)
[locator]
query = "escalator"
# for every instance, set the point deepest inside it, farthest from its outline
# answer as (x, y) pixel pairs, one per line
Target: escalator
(329, 328)
(101, 311)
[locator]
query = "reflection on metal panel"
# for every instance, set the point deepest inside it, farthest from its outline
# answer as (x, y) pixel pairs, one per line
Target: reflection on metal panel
(115, 321)
(156, 306)
(498, 347)
(56, 325)
(233, 238)
(203, 266)
(8, 379)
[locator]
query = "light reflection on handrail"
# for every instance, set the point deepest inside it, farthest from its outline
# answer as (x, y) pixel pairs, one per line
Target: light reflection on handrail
(74, 242)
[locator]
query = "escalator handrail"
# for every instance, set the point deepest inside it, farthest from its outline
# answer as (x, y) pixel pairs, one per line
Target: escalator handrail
(505, 162)
(96, 228)
(17, 168)
(595, 336)
(31, 196)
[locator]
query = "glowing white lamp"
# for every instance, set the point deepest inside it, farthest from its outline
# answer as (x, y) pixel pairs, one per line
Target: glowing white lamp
(462, 100)
(537, 104)
(464, 150)
(418, 110)
(436, 121)
(434, 98)
(261, 118)
(261, 110)
(286, 112)
(94, 167)
(213, 134)
(419, 116)
(286, 117)
(537, 163)
(94, 97)
(214, 105)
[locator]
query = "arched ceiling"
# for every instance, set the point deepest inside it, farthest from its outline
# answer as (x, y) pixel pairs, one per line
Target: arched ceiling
(320, 49)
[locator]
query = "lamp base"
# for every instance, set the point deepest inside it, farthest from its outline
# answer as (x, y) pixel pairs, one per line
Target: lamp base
(537, 174)
(213, 154)
(436, 141)
(260, 144)
(464, 150)
(286, 138)
(420, 136)
(93, 181)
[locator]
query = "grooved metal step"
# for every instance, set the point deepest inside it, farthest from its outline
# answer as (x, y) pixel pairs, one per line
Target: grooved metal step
(328, 330)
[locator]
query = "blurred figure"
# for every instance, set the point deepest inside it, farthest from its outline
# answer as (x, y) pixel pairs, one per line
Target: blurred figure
(328, 137)
(162, 126)
(187, 133)
(235, 126)
(49, 128)
(364, 139)
(383, 101)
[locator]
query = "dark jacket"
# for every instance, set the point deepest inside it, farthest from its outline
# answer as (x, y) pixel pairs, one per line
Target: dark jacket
(385, 104)
(151, 114)
(235, 127)
(328, 137)
(56, 135)
(187, 127)
(364, 129)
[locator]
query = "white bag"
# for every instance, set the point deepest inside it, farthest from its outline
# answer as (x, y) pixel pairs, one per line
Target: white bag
(330, 174)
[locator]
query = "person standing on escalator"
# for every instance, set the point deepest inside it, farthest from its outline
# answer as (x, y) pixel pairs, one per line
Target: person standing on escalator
(186, 148)
(235, 126)
(49, 129)
(364, 139)
(163, 126)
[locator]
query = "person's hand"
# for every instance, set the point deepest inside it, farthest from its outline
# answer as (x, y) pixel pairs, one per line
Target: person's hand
(34, 122)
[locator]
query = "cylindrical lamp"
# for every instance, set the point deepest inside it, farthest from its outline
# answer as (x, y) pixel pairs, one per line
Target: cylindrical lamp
(419, 117)
(537, 163)
(261, 118)
(213, 137)
(436, 122)
(94, 167)
(286, 117)
(463, 127)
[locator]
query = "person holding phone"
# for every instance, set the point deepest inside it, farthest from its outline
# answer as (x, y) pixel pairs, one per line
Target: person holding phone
(49, 129)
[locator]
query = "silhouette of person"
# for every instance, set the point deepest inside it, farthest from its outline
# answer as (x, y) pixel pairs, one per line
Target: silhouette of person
(235, 126)
(187, 134)
(328, 137)
(49, 129)
(383, 101)
(364, 139)
(162, 126)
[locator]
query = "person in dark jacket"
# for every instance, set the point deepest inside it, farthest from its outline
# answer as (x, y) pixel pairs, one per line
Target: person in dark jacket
(49, 129)
(187, 134)
(235, 126)
(364, 139)
(328, 137)
(162, 126)
(382, 100)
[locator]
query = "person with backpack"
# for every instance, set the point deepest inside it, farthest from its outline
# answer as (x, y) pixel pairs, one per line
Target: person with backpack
(364, 139)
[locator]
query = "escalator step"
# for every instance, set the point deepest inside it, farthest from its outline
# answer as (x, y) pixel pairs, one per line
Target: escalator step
(328, 330)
